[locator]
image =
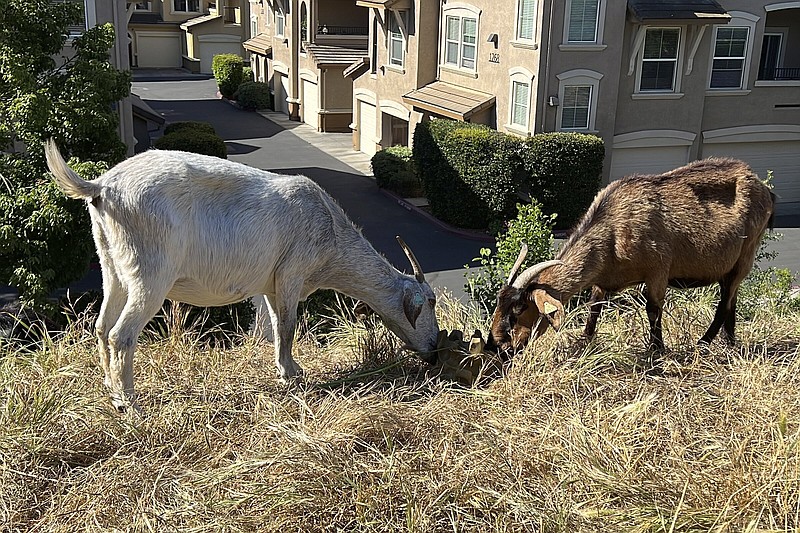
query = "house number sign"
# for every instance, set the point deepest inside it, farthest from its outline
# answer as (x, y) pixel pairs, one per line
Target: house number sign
(494, 57)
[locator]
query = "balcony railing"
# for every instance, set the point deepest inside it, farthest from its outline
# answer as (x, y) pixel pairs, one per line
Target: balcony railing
(779, 74)
(325, 29)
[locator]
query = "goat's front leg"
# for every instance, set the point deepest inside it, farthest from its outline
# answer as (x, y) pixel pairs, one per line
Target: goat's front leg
(655, 294)
(284, 321)
(596, 304)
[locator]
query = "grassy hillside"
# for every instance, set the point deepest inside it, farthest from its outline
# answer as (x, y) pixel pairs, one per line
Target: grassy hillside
(575, 437)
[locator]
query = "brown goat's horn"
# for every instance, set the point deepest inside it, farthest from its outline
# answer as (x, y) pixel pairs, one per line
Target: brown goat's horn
(414, 263)
(522, 253)
(527, 276)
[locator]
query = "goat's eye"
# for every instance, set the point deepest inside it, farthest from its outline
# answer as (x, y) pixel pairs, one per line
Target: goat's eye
(520, 308)
(432, 302)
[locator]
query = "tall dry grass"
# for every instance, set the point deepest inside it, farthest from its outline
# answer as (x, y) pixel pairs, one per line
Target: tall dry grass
(575, 437)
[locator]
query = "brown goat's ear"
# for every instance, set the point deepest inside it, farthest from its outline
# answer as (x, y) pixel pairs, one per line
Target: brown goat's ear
(549, 307)
(362, 310)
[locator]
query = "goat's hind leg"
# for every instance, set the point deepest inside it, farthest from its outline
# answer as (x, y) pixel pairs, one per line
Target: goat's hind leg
(596, 303)
(725, 314)
(283, 312)
(655, 294)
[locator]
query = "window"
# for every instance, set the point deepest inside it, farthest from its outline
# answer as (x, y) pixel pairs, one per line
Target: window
(461, 41)
(396, 47)
(192, 6)
(280, 19)
(142, 6)
(526, 20)
(582, 21)
(520, 98)
(575, 107)
(577, 100)
(730, 49)
(659, 59)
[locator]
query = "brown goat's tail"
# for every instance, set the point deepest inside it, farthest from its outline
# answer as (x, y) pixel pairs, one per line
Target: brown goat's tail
(67, 179)
(771, 222)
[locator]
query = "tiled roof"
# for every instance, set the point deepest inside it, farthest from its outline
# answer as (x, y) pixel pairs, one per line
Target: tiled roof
(199, 20)
(700, 11)
(334, 55)
(261, 43)
(449, 100)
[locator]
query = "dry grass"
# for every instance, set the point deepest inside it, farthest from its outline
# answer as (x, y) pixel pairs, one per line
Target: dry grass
(574, 438)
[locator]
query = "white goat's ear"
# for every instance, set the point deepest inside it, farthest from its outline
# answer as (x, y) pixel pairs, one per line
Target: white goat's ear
(549, 307)
(413, 300)
(362, 310)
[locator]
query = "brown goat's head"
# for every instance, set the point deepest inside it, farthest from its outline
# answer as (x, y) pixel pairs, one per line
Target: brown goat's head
(525, 308)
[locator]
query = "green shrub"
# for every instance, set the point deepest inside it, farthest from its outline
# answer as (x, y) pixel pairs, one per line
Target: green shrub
(194, 125)
(394, 170)
(248, 75)
(189, 140)
(470, 172)
(564, 172)
(531, 227)
(253, 95)
(228, 70)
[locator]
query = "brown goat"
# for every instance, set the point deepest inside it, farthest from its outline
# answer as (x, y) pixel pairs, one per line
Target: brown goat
(690, 227)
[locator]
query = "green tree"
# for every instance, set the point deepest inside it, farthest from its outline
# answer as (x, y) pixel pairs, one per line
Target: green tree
(44, 238)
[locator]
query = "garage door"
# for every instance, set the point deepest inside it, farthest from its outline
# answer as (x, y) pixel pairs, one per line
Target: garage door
(781, 157)
(281, 93)
(208, 49)
(310, 103)
(649, 160)
(158, 50)
(366, 127)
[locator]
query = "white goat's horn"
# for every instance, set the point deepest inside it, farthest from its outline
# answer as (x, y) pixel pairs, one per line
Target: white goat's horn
(414, 263)
(527, 276)
(522, 253)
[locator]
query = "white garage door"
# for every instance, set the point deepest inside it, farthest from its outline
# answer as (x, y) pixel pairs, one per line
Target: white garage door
(281, 92)
(310, 103)
(781, 157)
(208, 49)
(649, 160)
(366, 127)
(158, 50)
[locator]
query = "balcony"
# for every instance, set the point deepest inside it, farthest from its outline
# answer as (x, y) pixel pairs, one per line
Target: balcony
(329, 29)
(779, 74)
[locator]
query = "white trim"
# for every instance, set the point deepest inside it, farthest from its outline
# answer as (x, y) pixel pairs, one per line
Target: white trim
(460, 11)
(698, 36)
(656, 96)
(519, 75)
(598, 29)
(281, 68)
(759, 133)
(777, 83)
(365, 95)
(782, 5)
(395, 109)
(572, 47)
(653, 138)
(677, 77)
(519, 41)
(739, 19)
(219, 38)
(580, 72)
(308, 75)
(579, 77)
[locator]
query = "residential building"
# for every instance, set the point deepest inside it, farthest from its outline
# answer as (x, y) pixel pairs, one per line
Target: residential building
(302, 49)
(186, 33)
(663, 82)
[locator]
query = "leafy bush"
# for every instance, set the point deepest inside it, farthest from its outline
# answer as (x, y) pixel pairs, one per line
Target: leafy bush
(191, 140)
(253, 95)
(564, 173)
(471, 173)
(194, 125)
(393, 169)
(228, 70)
(531, 227)
(248, 75)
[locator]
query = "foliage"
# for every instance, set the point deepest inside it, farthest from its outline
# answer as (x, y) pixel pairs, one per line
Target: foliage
(228, 70)
(531, 227)
(253, 95)
(474, 176)
(470, 173)
(393, 169)
(248, 75)
(194, 125)
(193, 140)
(44, 237)
(564, 173)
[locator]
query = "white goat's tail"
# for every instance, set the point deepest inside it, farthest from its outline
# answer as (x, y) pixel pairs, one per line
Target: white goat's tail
(67, 179)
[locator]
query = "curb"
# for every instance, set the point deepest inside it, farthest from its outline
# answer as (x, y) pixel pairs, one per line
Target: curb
(476, 236)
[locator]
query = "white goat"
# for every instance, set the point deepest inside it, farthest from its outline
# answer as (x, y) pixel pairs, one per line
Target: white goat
(208, 232)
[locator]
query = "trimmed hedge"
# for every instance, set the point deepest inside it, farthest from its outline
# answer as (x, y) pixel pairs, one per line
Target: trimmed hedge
(198, 141)
(565, 172)
(470, 172)
(474, 176)
(228, 70)
(253, 95)
(394, 170)
(193, 125)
